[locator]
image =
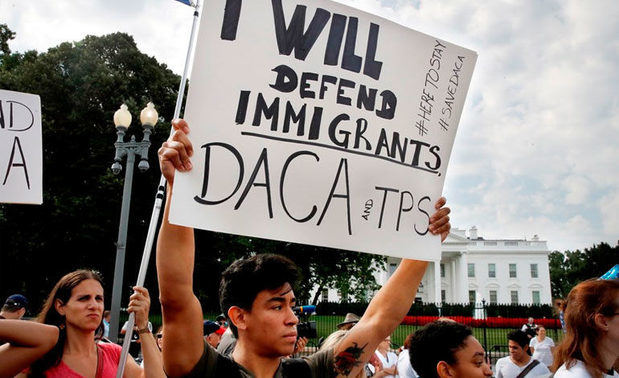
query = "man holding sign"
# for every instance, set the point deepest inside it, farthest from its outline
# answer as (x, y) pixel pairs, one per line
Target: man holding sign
(257, 297)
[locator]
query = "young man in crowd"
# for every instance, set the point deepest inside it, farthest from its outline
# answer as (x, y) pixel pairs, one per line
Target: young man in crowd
(256, 295)
(519, 360)
(444, 349)
(212, 332)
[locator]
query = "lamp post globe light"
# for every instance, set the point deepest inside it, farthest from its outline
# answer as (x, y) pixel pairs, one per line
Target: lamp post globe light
(122, 121)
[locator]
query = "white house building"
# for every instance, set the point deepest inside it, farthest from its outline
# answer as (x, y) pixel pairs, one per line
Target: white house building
(473, 268)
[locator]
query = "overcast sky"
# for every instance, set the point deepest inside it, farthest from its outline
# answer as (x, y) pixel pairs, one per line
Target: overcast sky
(538, 143)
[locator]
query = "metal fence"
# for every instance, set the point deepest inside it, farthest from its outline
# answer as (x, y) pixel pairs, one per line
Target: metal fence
(492, 337)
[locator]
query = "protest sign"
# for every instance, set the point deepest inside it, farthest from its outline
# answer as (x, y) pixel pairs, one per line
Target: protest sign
(316, 123)
(21, 148)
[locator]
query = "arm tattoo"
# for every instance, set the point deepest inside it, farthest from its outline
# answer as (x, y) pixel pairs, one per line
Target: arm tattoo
(345, 361)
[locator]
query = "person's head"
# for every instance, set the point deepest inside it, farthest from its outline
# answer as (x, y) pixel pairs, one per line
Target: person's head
(407, 341)
(14, 307)
(212, 332)
(349, 321)
(221, 319)
(384, 345)
(591, 319)
(76, 302)
(541, 332)
(447, 349)
(107, 315)
(159, 337)
(257, 296)
(518, 343)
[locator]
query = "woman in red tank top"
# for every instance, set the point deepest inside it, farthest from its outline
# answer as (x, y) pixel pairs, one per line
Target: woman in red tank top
(75, 305)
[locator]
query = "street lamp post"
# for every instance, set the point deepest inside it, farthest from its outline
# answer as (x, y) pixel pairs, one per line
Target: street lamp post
(122, 120)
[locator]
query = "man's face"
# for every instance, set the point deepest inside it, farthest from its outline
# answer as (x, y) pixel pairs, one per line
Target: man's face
(213, 339)
(470, 361)
(271, 323)
(15, 315)
(516, 352)
(385, 344)
(530, 320)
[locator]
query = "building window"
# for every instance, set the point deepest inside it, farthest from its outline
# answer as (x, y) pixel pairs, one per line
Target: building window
(534, 271)
(492, 270)
(442, 270)
(512, 271)
(443, 296)
(471, 267)
(514, 295)
(536, 298)
(471, 296)
(493, 297)
(325, 295)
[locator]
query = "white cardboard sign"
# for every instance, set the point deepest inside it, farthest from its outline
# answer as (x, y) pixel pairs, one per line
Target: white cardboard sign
(317, 123)
(21, 148)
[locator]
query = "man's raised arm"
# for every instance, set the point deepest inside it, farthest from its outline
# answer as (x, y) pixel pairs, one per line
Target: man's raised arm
(182, 315)
(388, 307)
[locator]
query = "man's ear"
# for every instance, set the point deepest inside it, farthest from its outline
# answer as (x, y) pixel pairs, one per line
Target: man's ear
(601, 322)
(22, 312)
(238, 317)
(444, 370)
(59, 306)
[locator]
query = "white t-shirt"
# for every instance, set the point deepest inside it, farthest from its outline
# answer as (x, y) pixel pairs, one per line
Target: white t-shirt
(578, 371)
(542, 351)
(405, 370)
(505, 368)
(389, 361)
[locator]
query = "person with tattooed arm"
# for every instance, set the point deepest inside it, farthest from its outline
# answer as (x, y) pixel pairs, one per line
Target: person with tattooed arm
(257, 296)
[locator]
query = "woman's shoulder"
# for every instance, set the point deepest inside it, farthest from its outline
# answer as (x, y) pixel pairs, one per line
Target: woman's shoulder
(577, 370)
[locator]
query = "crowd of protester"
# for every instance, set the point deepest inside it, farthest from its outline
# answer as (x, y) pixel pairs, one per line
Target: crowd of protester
(256, 334)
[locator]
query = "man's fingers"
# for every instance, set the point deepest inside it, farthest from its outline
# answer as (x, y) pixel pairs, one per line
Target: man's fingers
(440, 203)
(142, 290)
(181, 137)
(436, 225)
(182, 151)
(172, 155)
(443, 212)
(442, 229)
(180, 124)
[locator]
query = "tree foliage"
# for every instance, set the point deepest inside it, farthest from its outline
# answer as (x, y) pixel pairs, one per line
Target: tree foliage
(81, 85)
(569, 268)
(5, 36)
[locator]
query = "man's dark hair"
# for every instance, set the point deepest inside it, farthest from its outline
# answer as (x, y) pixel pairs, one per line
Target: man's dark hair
(245, 278)
(519, 337)
(437, 341)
